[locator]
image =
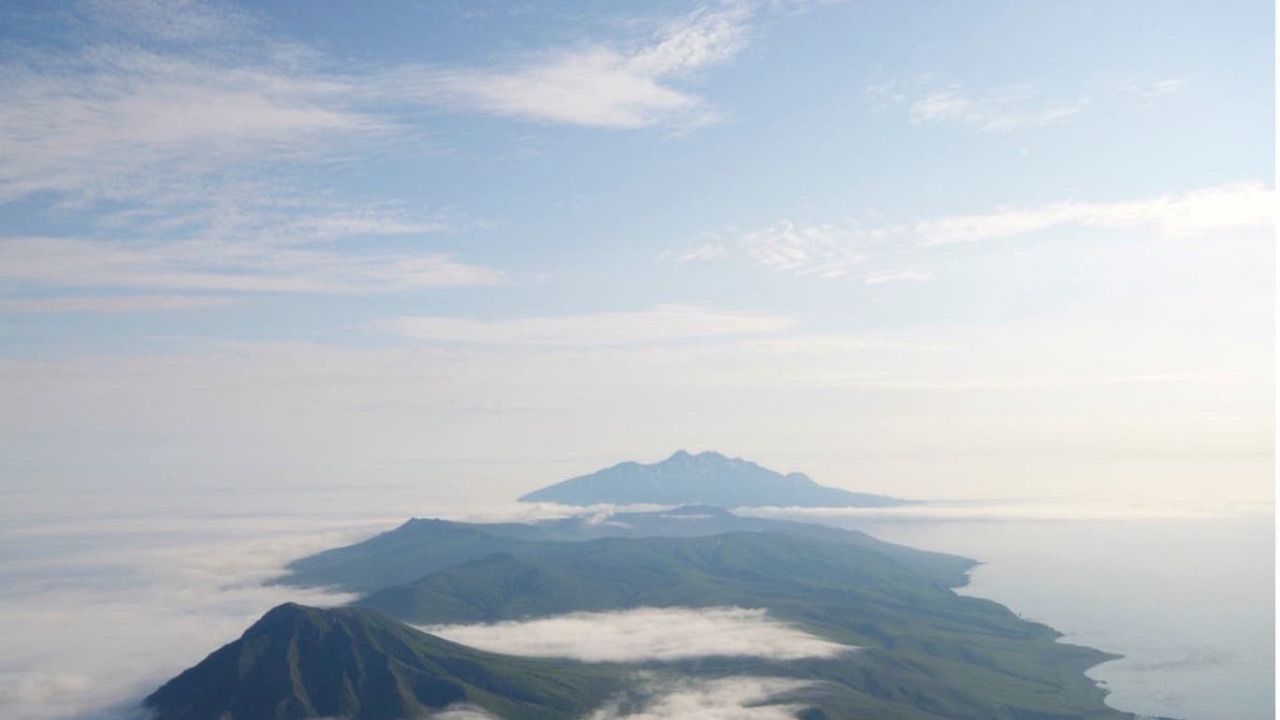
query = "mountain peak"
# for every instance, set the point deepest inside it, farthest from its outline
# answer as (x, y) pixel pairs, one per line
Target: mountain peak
(707, 478)
(306, 662)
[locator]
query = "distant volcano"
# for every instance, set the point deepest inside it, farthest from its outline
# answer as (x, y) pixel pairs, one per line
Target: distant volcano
(706, 478)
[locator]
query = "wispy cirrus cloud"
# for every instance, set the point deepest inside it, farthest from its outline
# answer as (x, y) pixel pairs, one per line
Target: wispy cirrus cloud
(187, 123)
(113, 122)
(896, 252)
(700, 253)
(113, 304)
(873, 256)
(178, 91)
(193, 265)
(658, 324)
(1001, 112)
(170, 20)
(1202, 210)
(1013, 107)
(627, 85)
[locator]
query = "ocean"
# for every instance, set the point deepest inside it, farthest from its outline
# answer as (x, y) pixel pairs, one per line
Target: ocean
(1188, 601)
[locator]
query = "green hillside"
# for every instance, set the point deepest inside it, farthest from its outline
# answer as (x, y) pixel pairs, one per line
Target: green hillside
(928, 652)
(421, 546)
(298, 662)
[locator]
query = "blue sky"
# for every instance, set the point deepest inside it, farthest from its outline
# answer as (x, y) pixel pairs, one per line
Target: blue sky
(912, 247)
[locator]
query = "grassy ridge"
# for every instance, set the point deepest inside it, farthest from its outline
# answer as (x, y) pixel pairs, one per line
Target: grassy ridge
(929, 652)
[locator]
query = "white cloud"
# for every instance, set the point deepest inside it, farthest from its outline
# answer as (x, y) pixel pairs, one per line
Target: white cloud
(884, 253)
(185, 117)
(599, 85)
(120, 120)
(828, 251)
(99, 606)
(242, 267)
(663, 634)
(993, 113)
(734, 698)
(1011, 108)
(1194, 212)
(116, 122)
(463, 712)
(114, 304)
(805, 250)
(1061, 509)
(701, 253)
(659, 324)
(524, 512)
(892, 276)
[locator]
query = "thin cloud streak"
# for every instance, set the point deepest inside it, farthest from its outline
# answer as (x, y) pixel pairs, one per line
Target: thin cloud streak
(73, 262)
(1009, 109)
(876, 254)
(114, 304)
(118, 122)
(1194, 212)
(661, 323)
(1109, 509)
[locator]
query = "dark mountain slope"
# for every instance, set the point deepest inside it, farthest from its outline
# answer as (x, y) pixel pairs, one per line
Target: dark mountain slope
(709, 478)
(298, 662)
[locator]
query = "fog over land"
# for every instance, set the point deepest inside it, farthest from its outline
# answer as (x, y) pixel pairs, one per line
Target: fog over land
(645, 634)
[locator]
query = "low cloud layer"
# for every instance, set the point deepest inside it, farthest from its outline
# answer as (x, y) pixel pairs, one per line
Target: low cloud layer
(1102, 509)
(97, 611)
(739, 698)
(664, 634)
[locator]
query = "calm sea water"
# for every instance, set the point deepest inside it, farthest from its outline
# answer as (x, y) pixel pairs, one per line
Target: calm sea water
(1189, 602)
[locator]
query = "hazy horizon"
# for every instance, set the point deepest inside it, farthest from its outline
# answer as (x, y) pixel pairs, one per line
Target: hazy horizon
(938, 254)
(278, 275)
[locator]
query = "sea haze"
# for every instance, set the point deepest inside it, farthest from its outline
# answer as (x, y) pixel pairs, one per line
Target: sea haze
(1187, 598)
(106, 602)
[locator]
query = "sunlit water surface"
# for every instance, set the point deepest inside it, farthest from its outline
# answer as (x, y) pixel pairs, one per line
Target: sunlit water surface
(1189, 602)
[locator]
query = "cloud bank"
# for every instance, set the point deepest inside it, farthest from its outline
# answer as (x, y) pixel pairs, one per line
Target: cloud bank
(96, 612)
(662, 634)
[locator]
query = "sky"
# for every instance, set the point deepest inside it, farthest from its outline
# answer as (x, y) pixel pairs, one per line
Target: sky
(937, 250)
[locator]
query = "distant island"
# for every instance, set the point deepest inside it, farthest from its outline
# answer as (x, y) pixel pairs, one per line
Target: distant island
(707, 478)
